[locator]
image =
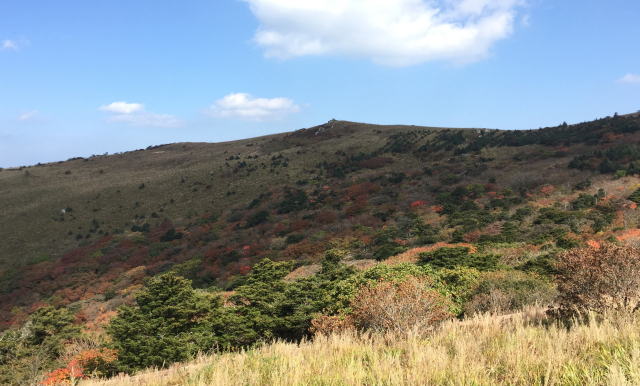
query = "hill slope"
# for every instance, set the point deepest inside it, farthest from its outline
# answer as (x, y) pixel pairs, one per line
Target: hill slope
(211, 211)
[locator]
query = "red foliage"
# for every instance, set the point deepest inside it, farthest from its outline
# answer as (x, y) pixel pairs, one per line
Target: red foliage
(358, 206)
(326, 218)
(547, 189)
(159, 231)
(279, 228)
(417, 204)
(299, 225)
(362, 189)
(212, 253)
(126, 244)
(102, 242)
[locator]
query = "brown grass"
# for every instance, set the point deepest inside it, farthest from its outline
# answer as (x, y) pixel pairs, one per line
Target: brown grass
(525, 349)
(411, 256)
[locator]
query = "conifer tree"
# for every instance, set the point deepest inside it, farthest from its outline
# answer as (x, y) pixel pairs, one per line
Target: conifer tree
(170, 323)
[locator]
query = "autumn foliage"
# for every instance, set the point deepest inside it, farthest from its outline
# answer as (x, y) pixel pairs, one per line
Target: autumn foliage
(400, 307)
(599, 279)
(95, 362)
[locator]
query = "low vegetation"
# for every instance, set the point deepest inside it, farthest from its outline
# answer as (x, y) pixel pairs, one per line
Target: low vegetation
(392, 239)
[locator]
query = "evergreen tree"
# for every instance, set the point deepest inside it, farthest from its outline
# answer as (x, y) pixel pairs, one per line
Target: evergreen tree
(170, 323)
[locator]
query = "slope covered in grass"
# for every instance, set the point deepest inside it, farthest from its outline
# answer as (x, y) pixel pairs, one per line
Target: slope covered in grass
(211, 211)
(526, 349)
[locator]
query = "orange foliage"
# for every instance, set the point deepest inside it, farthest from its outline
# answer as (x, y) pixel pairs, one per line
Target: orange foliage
(400, 306)
(593, 244)
(81, 366)
(547, 189)
(630, 234)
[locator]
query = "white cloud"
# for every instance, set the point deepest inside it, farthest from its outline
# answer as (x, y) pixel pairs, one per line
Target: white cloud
(389, 32)
(28, 115)
(134, 114)
(122, 107)
(630, 78)
(8, 45)
(244, 106)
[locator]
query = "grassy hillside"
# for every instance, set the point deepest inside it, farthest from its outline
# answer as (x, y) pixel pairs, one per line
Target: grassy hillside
(108, 187)
(283, 235)
(490, 350)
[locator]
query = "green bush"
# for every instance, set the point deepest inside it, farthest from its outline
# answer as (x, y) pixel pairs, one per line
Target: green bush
(542, 265)
(258, 218)
(509, 291)
(620, 174)
(583, 201)
(450, 258)
(635, 196)
(36, 347)
(555, 216)
(455, 283)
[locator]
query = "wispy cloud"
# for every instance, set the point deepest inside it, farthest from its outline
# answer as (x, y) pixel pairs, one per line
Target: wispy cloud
(134, 114)
(122, 107)
(244, 106)
(28, 116)
(394, 33)
(9, 45)
(630, 78)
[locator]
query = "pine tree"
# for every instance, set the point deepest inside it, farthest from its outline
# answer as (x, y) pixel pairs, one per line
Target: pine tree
(171, 323)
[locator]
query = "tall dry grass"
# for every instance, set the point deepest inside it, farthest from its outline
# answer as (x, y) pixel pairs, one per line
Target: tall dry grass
(525, 349)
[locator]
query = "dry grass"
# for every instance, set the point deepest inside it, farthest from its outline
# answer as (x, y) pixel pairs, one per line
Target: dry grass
(525, 349)
(412, 255)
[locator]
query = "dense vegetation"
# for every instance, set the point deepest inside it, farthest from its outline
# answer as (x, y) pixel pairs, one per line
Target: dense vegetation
(441, 217)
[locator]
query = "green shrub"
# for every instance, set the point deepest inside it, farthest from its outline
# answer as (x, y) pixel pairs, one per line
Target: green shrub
(509, 291)
(555, 216)
(583, 185)
(171, 235)
(387, 250)
(635, 196)
(451, 258)
(583, 201)
(156, 249)
(258, 218)
(620, 174)
(294, 238)
(447, 178)
(542, 265)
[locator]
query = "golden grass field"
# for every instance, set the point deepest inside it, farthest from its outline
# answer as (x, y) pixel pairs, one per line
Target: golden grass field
(526, 349)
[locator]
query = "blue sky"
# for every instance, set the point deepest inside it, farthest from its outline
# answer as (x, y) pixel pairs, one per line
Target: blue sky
(80, 78)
